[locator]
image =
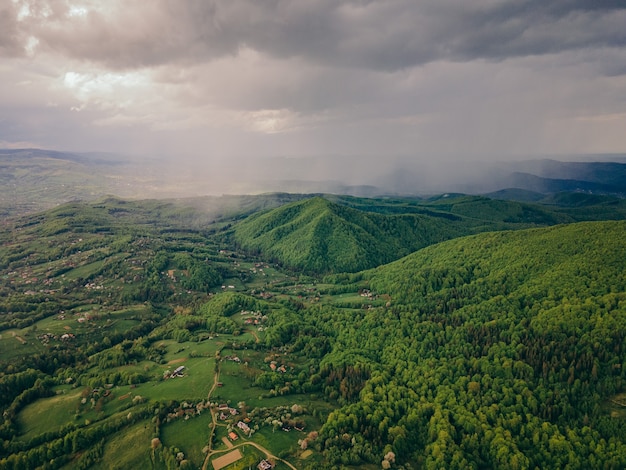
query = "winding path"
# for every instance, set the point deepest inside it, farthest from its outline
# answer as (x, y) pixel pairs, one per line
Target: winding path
(214, 424)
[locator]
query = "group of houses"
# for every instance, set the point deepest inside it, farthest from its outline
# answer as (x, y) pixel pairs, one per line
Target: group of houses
(226, 412)
(187, 410)
(243, 427)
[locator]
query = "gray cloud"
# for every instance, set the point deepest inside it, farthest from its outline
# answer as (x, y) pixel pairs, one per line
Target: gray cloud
(308, 77)
(384, 35)
(11, 43)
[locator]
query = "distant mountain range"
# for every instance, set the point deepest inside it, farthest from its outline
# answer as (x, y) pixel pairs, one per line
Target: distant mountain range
(35, 179)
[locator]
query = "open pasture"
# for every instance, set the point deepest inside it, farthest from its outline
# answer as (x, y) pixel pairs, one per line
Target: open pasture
(17, 343)
(195, 384)
(90, 318)
(177, 351)
(129, 448)
(189, 435)
(58, 411)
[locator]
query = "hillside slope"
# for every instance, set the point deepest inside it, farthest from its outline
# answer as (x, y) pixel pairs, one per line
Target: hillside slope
(500, 350)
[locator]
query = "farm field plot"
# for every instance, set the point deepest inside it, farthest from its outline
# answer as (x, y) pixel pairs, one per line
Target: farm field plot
(177, 351)
(277, 441)
(241, 457)
(188, 435)
(225, 460)
(19, 343)
(88, 318)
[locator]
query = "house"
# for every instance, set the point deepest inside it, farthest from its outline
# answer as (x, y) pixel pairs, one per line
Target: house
(233, 436)
(178, 372)
(243, 426)
(265, 465)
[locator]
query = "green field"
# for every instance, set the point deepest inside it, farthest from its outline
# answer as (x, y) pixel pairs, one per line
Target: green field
(195, 384)
(127, 449)
(190, 436)
(12, 348)
(277, 441)
(58, 410)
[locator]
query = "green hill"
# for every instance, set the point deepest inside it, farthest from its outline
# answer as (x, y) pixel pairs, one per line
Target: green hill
(321, 236)
(351, 234)
(500, 350)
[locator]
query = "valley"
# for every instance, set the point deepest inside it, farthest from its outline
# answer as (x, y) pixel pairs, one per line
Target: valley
(163, 334)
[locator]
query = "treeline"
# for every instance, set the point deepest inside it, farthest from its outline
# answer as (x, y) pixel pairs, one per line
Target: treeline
(39, 389)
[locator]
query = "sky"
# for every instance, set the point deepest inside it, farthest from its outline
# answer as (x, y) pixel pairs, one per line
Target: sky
(210, 80)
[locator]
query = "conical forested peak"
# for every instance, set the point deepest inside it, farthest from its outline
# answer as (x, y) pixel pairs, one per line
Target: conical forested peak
(322, 236)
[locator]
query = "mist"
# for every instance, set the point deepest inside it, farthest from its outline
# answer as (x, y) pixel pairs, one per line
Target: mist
(367, 176)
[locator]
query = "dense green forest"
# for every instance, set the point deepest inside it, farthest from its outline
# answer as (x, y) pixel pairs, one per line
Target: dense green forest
(146, 334)
(500, 350)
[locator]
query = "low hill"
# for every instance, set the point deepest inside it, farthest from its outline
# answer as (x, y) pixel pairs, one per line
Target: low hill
(552, 185)
(516, 194)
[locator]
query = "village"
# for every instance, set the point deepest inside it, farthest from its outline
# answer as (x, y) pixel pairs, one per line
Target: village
(233, 422)
(242, 422)
(216, 416)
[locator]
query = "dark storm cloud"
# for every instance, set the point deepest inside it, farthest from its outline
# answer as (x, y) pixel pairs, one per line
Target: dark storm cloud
(385, 35)
(11, 43)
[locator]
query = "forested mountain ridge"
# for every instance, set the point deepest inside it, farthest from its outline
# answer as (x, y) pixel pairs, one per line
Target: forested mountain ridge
(500, 350)
(323, 234)
(514, 258)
